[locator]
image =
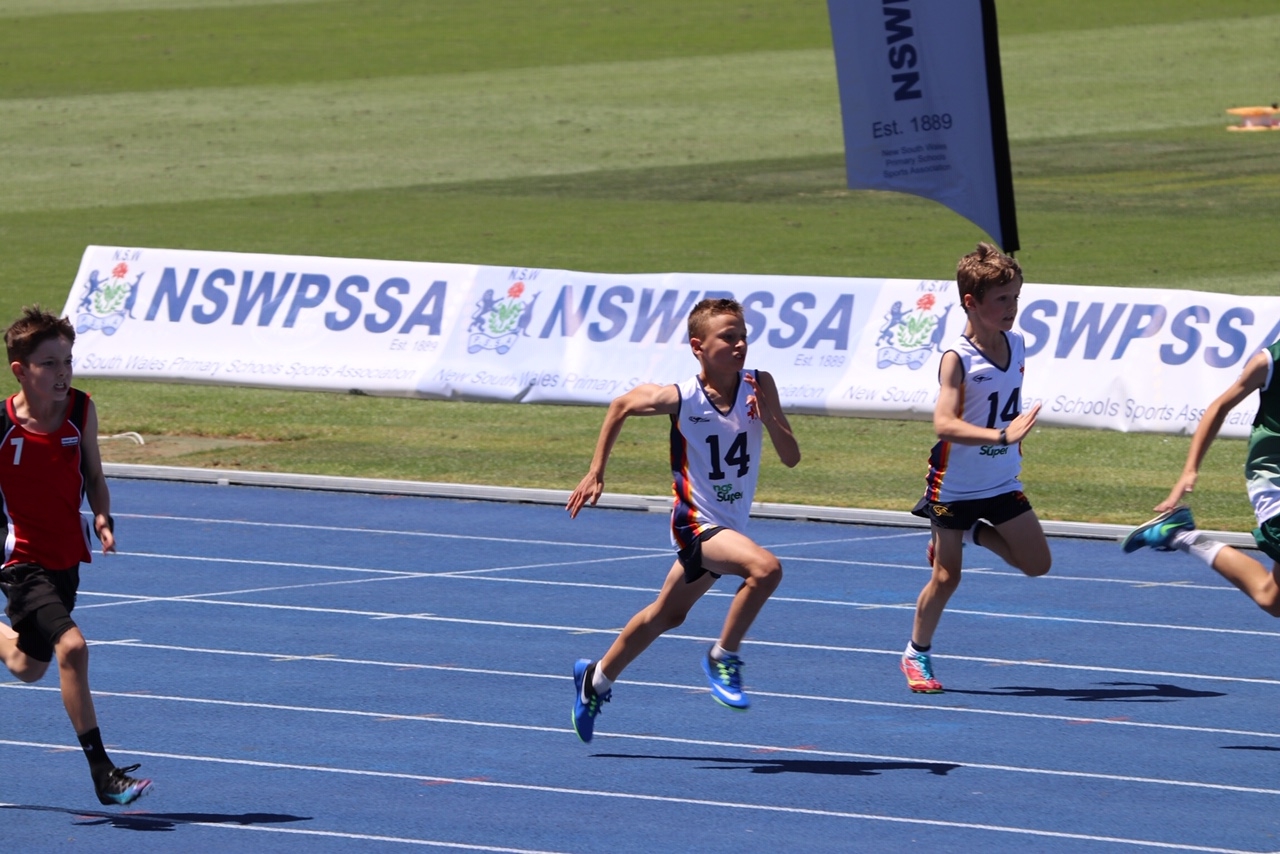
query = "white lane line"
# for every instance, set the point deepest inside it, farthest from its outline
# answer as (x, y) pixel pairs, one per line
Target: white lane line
(508, 674)
(478, 575)
(771, 749)
(297, 526)
(583, 630)
(1135, 582)
(140, 818)
(664, 799)
(383, 575)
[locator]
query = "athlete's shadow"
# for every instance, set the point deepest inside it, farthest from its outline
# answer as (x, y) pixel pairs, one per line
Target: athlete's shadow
(1267, 748)
(837, 767)
(1129, 692)
(162, 821)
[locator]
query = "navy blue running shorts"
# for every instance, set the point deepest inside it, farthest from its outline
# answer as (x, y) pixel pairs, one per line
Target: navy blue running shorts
(691, 557)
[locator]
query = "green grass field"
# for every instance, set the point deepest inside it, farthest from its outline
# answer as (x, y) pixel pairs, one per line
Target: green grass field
(617, 137)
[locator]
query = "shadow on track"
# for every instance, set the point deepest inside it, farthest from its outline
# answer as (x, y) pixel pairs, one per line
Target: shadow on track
(1135, 692)
(158, 821)
(836, 767)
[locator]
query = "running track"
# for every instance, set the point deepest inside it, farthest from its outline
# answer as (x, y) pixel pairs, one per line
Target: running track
(349, 671)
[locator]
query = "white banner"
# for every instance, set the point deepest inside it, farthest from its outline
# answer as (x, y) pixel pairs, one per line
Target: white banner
(1117, 358)
(922, 103)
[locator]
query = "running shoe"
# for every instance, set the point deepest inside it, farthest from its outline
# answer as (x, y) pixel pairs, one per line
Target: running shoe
(919, 671)
(586, 702)
(725, 678)
(1158, 534)
(119, 788)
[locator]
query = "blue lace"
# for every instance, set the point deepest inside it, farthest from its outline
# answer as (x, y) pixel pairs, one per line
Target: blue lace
(925, 665)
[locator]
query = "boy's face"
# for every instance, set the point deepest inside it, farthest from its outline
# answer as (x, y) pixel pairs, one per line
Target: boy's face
(723, 345)
(47, 374)
(999, 306)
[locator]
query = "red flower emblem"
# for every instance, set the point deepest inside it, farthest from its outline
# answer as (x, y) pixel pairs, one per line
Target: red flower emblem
(925, 302)
(120, 270)
(515, 290)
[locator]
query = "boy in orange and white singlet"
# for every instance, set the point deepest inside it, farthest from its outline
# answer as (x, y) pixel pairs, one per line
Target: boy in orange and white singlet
(49, 463)
(972, 492)
(718, 419)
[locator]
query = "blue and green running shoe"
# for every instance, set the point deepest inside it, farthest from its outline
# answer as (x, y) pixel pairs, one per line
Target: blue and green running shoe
(725, 679)
(1158, 534)
(586, 702)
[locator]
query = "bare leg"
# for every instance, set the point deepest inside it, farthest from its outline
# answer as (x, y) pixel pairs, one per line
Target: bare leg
(1020, 542)
(732, 553)
(937, 592)
(73, 671)
(19, 663)
(665, 613)
(1253, 578)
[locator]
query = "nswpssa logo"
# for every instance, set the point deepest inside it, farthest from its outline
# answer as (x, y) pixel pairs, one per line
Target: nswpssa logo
(497, 323)
(105, 303)
(909, 336)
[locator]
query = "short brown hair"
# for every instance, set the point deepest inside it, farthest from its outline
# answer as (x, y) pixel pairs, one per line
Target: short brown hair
(32, 329)
(707, 309)
(985, 267)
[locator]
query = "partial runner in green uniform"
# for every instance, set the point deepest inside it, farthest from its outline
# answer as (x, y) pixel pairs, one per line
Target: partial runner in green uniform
(1174, 528)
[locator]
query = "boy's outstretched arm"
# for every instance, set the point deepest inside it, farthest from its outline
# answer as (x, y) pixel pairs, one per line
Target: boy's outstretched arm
(765, 405)
(95, 487)
(647, 399)
(1252, 378)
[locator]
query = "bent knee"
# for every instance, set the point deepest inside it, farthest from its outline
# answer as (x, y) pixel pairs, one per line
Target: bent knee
(1035, 565)
(72, 650)
(667, 622)
(24, 667)
(31, 671)
(945, 578)
(768, 575)
(1269, 600)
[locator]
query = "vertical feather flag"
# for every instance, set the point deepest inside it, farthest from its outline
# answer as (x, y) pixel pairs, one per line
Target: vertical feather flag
(922, 102)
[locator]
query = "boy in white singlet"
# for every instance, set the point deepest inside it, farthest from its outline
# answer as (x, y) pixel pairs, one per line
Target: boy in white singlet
(973, 493)
(717, 421)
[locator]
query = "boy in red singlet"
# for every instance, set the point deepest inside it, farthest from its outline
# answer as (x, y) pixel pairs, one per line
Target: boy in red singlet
(49, 463)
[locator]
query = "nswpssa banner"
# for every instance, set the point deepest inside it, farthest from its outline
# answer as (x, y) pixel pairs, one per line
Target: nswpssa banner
(923, 105)
(1130, 359)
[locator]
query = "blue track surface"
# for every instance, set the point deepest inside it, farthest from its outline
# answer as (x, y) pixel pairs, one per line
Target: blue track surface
(350, 671)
